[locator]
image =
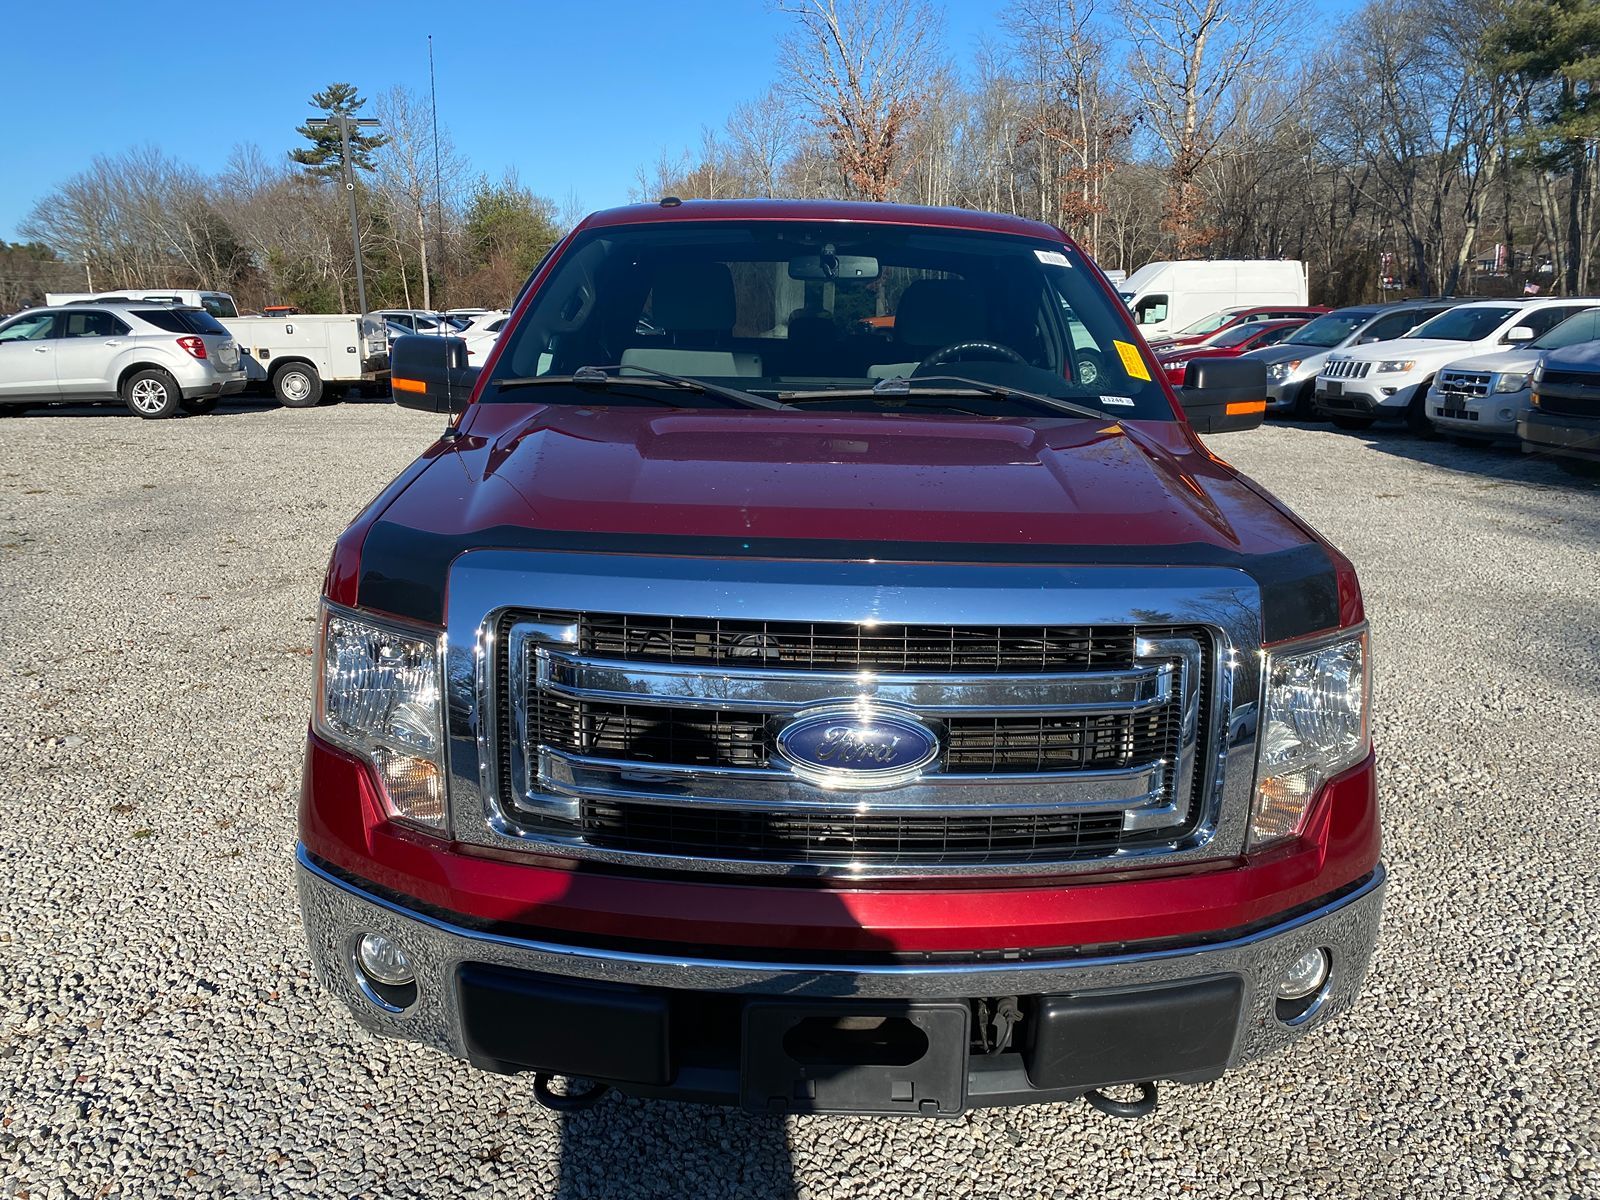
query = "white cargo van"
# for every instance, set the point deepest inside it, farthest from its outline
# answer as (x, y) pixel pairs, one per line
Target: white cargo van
(1167, 296)
(218, 304)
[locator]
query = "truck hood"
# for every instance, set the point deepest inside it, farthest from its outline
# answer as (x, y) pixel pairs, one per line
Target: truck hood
(616, 478)
(728, 485)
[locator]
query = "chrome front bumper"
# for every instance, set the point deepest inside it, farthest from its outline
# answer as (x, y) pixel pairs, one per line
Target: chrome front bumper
(337, 913)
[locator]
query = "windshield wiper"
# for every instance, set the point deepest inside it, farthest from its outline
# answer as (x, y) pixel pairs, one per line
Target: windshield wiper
(903, 387)
(641, 377)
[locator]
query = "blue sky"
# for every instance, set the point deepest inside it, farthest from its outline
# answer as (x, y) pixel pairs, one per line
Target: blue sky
(575, 96)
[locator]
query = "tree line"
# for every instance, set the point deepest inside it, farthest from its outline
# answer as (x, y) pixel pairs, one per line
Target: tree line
(1420, 147)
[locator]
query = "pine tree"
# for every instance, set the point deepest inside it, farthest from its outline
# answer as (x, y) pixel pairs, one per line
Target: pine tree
(323, 156)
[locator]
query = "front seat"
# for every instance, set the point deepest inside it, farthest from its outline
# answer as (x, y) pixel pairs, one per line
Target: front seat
(932, 314)
(693, 305)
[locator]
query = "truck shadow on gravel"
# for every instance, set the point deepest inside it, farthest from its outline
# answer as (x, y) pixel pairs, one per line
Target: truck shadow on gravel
(638, 1149)
(1503, 462)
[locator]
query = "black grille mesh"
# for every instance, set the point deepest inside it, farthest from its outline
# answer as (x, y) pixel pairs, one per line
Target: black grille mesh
(831, 838)
(973, 745)
(823, 646)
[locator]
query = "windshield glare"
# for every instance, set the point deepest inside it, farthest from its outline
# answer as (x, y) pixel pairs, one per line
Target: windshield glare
(1329, 330)
(1585, 327)
(1464, 324)
(1238, 335)
(785, 307)
(1206, 324)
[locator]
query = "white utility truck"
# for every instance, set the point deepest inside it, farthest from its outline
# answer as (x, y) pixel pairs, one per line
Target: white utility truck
(1167, 296)
(298, 358)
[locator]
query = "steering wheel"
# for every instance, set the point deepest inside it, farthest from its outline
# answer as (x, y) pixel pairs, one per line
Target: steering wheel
(956, 350)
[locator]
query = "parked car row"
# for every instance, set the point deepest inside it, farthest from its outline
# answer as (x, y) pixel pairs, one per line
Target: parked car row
(1472, 369)
(166, 351)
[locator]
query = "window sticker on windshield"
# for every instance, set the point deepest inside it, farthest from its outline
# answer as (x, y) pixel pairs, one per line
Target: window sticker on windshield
(1117, 401)
(1052, 258)
(1131, 362)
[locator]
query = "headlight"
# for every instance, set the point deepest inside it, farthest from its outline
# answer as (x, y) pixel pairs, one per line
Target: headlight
(1279, 371)
(1397, 364)
(378, 697)
(1511, 381)
(1315, 725)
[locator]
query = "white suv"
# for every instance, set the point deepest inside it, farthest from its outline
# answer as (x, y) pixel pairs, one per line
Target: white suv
(1390, 380)
(158, 359)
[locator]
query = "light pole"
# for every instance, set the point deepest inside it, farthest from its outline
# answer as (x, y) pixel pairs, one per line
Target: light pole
(343, 124)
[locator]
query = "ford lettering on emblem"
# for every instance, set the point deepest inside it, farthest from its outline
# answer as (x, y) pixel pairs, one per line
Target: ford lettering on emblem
(857, 746)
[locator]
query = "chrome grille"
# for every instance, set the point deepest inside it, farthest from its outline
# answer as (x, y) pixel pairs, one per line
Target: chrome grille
(654, 736)
(1464, 384)
(1346, 368)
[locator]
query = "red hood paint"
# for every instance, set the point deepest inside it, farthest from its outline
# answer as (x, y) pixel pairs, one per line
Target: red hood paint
(839, 477)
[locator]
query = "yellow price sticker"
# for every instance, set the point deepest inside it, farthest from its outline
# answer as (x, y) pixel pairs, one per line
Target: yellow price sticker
(1132, 363)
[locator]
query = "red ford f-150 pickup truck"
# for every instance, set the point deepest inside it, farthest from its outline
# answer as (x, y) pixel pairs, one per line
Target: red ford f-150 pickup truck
(750, 701)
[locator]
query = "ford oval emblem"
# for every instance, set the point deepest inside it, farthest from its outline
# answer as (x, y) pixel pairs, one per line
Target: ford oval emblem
(857, 746)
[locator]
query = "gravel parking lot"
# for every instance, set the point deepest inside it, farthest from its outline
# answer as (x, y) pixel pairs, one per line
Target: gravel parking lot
(160, 1034)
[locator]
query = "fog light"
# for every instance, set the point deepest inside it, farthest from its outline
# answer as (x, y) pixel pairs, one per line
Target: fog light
(384, 962)
(1388, 391)
(1305, 977)
(1507, 414)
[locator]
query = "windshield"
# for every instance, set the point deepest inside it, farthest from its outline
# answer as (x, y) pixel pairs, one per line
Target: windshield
(1466, 324)
(1585, 327)
(778, 308)
(1207, 324)
(1239, 334)
(1330, 329)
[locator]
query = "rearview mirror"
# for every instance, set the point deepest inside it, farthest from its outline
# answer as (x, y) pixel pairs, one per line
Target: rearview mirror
(1224, 395)
(1520, 333)
(430, 373)
(833, 266)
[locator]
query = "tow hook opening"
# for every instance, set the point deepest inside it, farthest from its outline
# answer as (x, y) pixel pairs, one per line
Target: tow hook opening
(1142, 1106)
(574, 1098)
(877, 1041)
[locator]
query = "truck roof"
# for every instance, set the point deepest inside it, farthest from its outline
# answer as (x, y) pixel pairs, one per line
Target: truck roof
(822, 210)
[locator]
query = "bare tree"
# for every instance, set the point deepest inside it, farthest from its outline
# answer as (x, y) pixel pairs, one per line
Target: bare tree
(761, 136)
(1187, 55)
(1078, 125)
(407, 180)
(860, 68)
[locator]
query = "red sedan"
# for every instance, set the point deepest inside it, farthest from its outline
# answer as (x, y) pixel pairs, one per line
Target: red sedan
(1207, 328)
(1229, 343)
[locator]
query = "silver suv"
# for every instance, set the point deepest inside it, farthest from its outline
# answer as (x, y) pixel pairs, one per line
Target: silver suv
(158, 359)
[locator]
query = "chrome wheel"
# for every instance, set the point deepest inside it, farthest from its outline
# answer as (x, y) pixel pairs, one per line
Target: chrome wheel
(148, 395)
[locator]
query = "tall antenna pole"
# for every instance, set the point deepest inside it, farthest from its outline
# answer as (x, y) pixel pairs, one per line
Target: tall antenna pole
(438, 174)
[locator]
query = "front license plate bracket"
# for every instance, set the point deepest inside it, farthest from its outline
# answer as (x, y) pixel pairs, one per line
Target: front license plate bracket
(885, 1058)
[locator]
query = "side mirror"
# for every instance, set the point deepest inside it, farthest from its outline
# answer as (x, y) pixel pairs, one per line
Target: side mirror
(1519, 333)
(1224, 395)
(430, 373)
